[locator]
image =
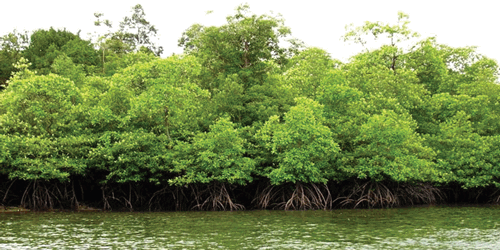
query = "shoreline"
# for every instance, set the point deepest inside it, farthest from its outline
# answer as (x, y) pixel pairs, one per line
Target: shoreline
(19, 210)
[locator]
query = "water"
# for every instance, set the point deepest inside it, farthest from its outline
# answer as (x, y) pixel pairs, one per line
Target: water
(406, 228)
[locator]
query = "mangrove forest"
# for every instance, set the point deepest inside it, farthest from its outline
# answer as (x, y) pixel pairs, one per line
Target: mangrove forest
(247, 117)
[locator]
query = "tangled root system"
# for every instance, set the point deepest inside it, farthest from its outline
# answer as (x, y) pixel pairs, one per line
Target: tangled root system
(377, 194)
(369, 194)
(215, 197)
(419, 193)
(169, 197)
(296, 197)
(123, 196)
(40, 195)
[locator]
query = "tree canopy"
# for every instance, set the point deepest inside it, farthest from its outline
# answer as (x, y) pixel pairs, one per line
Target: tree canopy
(238, 109)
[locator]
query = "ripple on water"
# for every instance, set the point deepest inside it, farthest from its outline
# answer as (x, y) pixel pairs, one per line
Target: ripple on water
(409, 228)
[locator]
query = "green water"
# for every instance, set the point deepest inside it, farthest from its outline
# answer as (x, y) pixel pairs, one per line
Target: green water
(407, 228)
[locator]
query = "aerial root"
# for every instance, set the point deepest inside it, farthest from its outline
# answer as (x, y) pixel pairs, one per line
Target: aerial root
(376, 194)
(160, 199)
(370, 194)
(420, 193)
(298, 197)
(125, 195)
(265, 198)
(214, 197)
(6, 193)
(40, 195)
(495, 196)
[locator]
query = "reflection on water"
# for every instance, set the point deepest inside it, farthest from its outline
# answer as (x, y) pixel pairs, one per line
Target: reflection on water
(407, 228)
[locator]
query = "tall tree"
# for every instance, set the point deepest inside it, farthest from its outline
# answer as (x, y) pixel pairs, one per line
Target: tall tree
(395, 33)
(12, 46)
(135, 33)
(241, 46)
(46, 45)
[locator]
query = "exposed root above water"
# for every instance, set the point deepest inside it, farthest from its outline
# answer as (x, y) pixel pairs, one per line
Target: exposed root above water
(419, 193)
(172, 198)
(294, 197)
(214, 196)
(49, 195)
(4, 194)
(41, 195)
(369, 194)
(373, 194)
(124, 196)
(495, 196)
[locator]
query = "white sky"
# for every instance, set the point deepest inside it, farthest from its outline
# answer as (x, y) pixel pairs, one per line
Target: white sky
(317, 23)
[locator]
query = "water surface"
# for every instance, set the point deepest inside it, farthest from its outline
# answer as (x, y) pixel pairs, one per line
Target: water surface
(405, 228)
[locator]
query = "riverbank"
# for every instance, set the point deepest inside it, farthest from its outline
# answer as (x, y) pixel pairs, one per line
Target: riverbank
(21, 210)
(4, 209)
(82, 195)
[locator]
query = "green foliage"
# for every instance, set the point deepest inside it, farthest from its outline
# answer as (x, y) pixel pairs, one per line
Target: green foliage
(239, 106)
(46, 45)
(135, 33)
(115, 103)
(100, 99)
(139, 114)
(115, 63)
(377, 73)
(11, 48)
(82, 54)
(306, 71)
(388, 148)
(376, 135)
(442, 107)
(176, 71)
(64, 66)
(40, 126)
(22, 70)
(242, 46)
(431, 68)
(396, 33)
(273, 97)
(344, 109)
(302, 145)
(40, 106)
(45, 158)
(130, 156)
(218, 155)
(167, 98)
(230, 98)
(463, 155)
